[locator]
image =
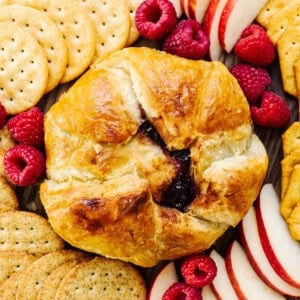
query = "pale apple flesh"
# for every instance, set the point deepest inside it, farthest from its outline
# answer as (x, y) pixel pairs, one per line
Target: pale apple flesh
(197, 9)
(177, 6)
(207, 293)
(283, 252)
(165, 277)
(244, 279)
(221, 284)
(236, 16)
(253, 248)
(211, 28)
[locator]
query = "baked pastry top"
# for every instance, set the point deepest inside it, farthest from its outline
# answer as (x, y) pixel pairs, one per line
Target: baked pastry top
(150, 157)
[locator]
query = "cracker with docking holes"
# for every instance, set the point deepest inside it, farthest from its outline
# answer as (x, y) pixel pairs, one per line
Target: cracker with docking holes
(270, 8)
(106, 278)
(51, 283)
(38, 271)
(291, 139)
(283, 19)
(6, 142)
(14, 261)
(297, 79)
(112, 22)
(288, 47)
(23, 71)
(27, 231)
(76, 27)
(8, 289)
(47, 34)
(133, 33)
(8, 197)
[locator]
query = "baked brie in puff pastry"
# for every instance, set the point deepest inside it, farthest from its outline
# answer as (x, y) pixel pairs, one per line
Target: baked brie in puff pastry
(150, 157)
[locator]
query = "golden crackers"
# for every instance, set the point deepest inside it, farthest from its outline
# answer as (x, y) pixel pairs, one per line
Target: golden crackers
(23, 71)
(27, 231)
(106, 278)
(112, 23)
(290, 182)
(288, 46)
(47, 34)
(270, 8)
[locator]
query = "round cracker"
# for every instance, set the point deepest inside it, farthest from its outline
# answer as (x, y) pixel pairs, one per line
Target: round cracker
(47, 34)
(39, 270)
(23, 71)
(8, 197)
(51, 283)
(112, 22)
(14, 261)
(134, 33)
(27, 231)
(102, 278)
(76, 27)
(8, 289)
(6, 142)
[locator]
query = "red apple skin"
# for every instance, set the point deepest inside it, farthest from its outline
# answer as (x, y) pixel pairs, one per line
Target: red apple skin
(224, 19)
(233, 279)
(277, 266)
(255, 266)
(192, 9)
(208, 27)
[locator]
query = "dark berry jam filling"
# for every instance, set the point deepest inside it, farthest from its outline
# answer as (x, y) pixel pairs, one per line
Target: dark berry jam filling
(182, 190)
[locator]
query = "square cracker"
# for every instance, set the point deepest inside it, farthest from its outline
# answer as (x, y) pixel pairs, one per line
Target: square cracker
(283, 19)
(291, 139)
(297, 79)
(288, 46)
(270, 8)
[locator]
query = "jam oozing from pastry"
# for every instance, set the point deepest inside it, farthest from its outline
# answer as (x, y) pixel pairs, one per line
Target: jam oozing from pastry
(182, 190)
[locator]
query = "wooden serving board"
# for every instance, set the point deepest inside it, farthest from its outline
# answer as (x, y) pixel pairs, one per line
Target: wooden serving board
(29, 196)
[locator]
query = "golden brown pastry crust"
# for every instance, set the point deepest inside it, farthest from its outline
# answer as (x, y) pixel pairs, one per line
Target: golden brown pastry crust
(105, 179)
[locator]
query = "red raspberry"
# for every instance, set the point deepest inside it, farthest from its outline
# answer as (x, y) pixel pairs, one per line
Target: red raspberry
(3, 115)
(274, 111)
(24, 164)
(198, 270)
(28, 127)
(155, 18)
(252, 80)
(187, 39)
(181, 290)
(255, 47)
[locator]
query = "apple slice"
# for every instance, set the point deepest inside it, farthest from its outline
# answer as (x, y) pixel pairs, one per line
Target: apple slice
(197, 9)
(244, 279)
(236, 16)
(164, 278)
(184, 4)
(282, 251)
(221, 284)
(257, 257)
(211, 27)
(207, 293)
(177, 5)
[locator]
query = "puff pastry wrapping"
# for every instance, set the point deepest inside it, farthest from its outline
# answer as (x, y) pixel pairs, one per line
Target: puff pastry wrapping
(105, 180)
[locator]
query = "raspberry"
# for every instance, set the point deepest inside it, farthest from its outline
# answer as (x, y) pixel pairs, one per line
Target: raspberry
(187, 39)
(255, 47)
(155, 18)
(3, 115)
(181, 290)
(24, 164)
(28, 127)
(198, 270)
(252, 80)
(274, 111)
